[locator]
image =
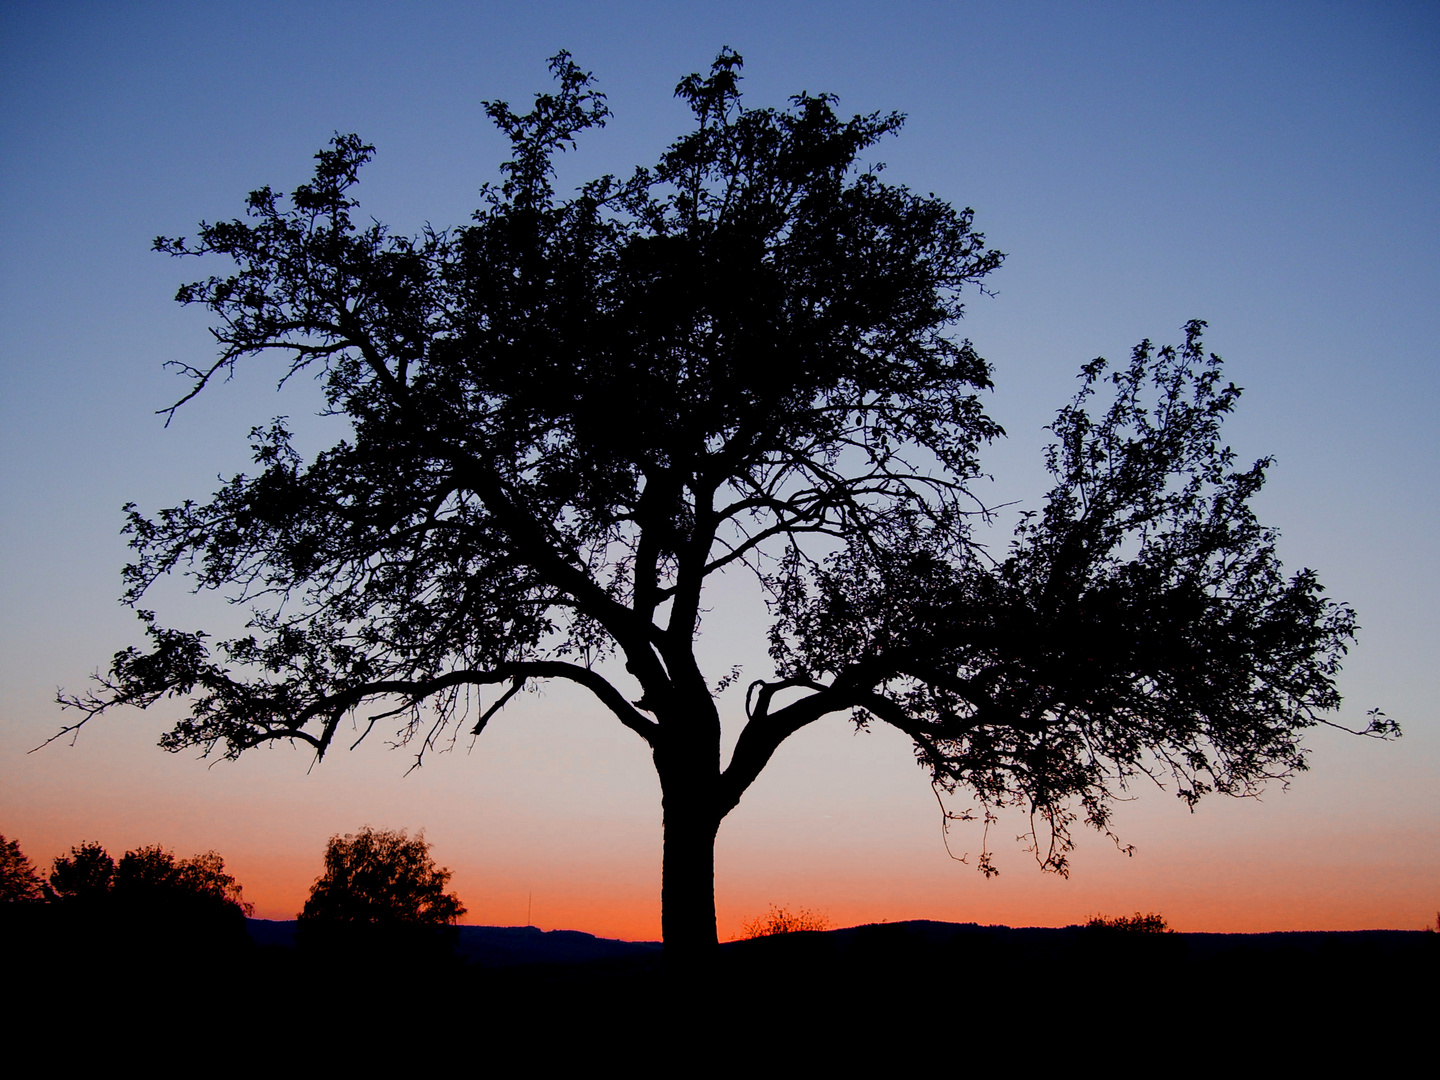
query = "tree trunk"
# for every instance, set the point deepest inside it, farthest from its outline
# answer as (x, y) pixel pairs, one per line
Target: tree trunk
(687, 760)
(687, 885)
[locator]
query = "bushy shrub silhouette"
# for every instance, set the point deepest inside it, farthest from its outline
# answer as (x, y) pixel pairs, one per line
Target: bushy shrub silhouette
(781, 920)
(1153, 923)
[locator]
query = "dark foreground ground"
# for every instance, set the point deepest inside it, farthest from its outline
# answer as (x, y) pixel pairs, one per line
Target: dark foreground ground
(923, 993)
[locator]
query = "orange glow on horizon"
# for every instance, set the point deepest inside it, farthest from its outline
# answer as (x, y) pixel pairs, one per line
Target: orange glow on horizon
(559, 904)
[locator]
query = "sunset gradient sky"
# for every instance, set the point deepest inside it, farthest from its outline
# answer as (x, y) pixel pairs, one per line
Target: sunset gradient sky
(1273, 169)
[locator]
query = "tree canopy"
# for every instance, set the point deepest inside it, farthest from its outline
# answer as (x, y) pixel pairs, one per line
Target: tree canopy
(566, 418)
(147, 877)
(18, 880)
(380, 900)
(380, 876)
(86, 874)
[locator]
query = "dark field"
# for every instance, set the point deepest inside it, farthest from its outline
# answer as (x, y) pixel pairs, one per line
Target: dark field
(916, 990)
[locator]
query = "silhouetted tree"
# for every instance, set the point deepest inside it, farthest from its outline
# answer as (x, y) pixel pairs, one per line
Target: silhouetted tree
(86, 874)
(23, 921)
(380, 891)
(204, 875)
(566, 418)
(1153, 923)
(144, 877)
(147, 912)
(18, 879)
(377, 876)
(151, 875)
(144, 870)
(179, 909)
(781, 920)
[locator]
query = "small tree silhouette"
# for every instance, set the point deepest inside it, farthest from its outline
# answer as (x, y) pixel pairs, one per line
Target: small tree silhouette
(18, 880)
(85, 874)
(381, 897)
(1153, 923)
(379, 876)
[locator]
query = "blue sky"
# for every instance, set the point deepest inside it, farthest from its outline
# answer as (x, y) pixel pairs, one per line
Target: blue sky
(1272, 169)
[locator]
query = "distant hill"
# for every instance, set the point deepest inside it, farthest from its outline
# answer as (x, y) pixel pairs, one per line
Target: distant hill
(516, 946)
(497, 946)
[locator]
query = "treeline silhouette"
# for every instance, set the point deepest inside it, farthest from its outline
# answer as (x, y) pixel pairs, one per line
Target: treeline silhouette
(380, 900)
(148, 910)
(150, 939)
